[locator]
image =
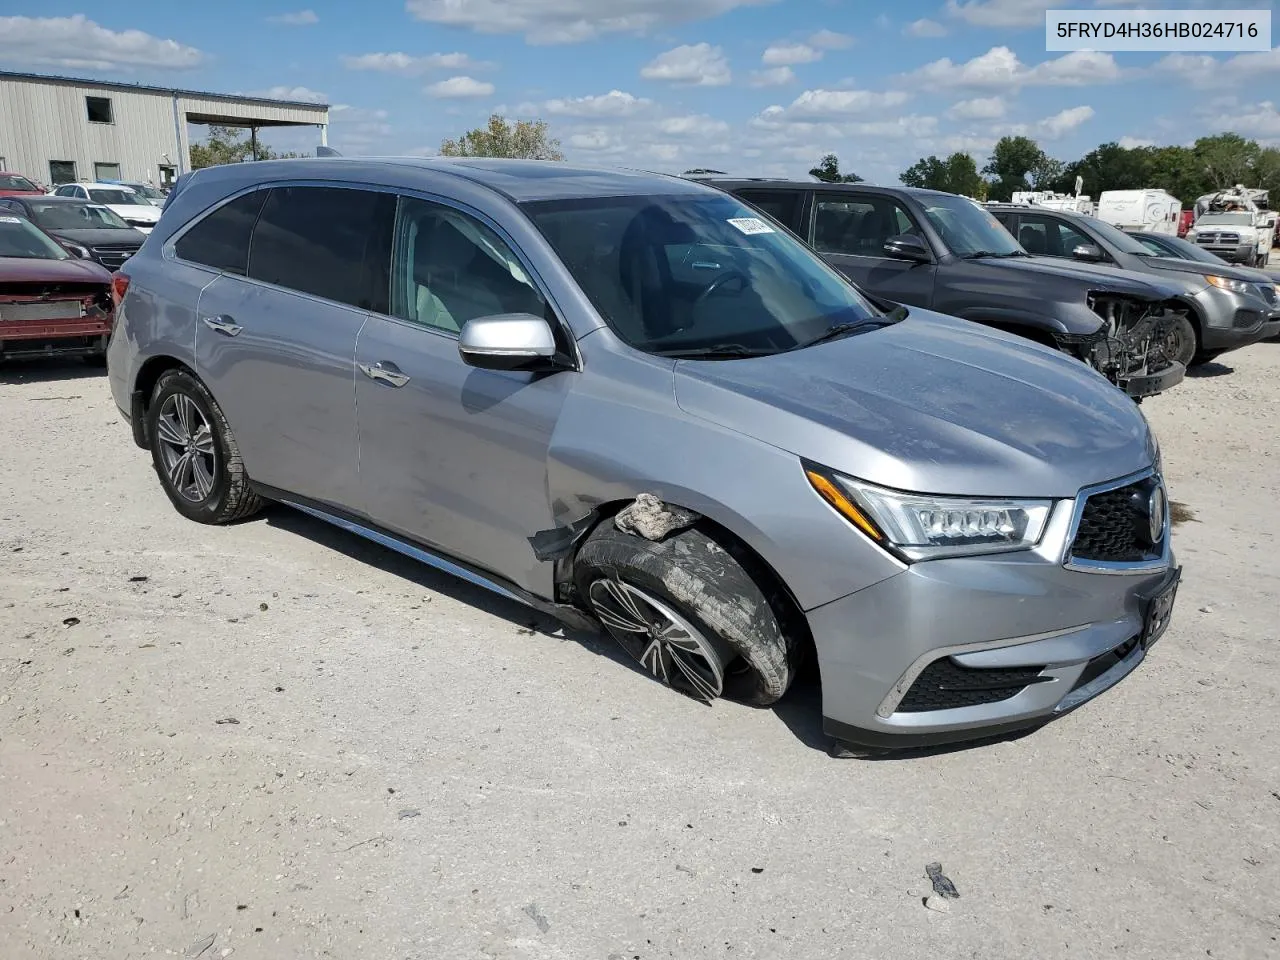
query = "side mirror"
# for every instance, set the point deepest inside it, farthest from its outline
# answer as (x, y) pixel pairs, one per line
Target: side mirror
(74, 249)
(507, 341)
(907, 247)
(1090, 252)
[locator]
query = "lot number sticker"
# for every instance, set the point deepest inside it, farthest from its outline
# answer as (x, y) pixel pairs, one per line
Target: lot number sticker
(9, 220)
(750, 225)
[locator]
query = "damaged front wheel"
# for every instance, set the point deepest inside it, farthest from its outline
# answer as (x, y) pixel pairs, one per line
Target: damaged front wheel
(688, 612)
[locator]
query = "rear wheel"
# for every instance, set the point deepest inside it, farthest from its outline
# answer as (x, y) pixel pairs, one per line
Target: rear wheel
(689, 612)
(194, 453)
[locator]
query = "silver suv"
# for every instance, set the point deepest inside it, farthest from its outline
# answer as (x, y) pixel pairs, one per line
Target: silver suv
(633, 401)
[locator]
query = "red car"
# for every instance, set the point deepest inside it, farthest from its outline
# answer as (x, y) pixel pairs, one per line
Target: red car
(16, 185)
(51, 303)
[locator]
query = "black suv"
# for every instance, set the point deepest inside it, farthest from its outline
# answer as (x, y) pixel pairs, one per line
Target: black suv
(947, 253)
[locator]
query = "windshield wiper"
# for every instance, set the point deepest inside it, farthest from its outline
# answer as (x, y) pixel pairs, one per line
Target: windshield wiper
(720, 350)
(838, 330)
(991, 254)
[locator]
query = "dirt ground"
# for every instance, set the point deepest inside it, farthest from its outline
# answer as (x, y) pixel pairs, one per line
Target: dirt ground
(274, 741)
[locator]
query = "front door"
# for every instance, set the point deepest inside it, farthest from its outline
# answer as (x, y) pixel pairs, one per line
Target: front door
(451, 456)
(850, 230)
(277, 347)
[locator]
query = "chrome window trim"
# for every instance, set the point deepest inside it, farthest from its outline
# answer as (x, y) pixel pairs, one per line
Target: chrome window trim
(1116, 568)
(169, 252)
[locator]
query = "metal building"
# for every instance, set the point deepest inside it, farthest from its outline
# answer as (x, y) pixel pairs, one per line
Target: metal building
(62, 129)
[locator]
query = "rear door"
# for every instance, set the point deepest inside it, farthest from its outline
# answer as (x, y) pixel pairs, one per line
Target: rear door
(275, 338)
(850, 229)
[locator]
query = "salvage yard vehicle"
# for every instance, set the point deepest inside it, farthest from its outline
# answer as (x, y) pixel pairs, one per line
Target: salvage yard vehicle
(138, 212)
(947, 253)
(1151, 211)
(630, 401)
(1235, 225)
(1221, 307)
(51, 303)
(86, 230)
(16, 185)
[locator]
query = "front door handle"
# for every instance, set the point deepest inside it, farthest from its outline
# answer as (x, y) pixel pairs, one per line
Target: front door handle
(385, 371)
(224, 325)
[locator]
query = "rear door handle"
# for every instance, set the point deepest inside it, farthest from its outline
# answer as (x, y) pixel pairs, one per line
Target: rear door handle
(224, 325)
(385, 371)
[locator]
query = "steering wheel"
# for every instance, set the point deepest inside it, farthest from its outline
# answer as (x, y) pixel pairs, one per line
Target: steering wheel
(720, 281)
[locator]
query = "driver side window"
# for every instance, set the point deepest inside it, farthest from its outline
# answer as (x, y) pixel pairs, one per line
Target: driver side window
(859, 225)
(449, 268)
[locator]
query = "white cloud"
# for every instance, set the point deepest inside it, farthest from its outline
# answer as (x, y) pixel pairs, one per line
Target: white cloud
(925, 28)
(1132, 143)
(1260, 120)
(830, 40)
(693, 125)
(1000, 67)
(345, 113)
(788, 54)
(80, 44)
(299, 18)
(410, 66)
(301, 94)
(568, 21)
(773, 77)
(1202, 70)
(827, 105)
(615, 103)
(1000, 13)
(1060, 124)
(698, 64)
(980, 108)
(459, 88)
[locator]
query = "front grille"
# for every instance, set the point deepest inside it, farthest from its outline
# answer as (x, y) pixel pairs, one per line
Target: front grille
(946, 685)
(112, 255)
(1114, 525)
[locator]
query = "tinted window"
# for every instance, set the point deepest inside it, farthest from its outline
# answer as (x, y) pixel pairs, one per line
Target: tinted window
(326, 241)
(1048, 236)
(451, 268)
(221, 240)
(782, 205)
(695, 272)
(858, 224)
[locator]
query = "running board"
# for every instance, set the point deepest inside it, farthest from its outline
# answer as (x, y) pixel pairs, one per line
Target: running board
(409, 550)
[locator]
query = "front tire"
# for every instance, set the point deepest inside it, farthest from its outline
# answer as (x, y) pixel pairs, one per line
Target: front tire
(195, 454)
(1180, 341)
(689, 612)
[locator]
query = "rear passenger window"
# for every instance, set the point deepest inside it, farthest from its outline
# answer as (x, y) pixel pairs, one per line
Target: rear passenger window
(221, 240)
(329, 242)
(782, 205)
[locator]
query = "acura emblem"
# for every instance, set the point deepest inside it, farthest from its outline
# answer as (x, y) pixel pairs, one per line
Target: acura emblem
(1155, 514)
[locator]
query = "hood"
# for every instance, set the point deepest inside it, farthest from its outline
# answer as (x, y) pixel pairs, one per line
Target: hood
(1095, 276)
(1202, 269)
(97, 237)
(32, 269)
(933, 405)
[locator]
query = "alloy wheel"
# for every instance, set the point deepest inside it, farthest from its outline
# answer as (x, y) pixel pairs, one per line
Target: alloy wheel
(187, 450)
(666, 644)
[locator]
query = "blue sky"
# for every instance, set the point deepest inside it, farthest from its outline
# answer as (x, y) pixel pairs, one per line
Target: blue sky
(753, 87)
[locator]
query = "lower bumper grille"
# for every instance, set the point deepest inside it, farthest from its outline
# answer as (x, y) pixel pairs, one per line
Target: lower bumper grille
(946, 685)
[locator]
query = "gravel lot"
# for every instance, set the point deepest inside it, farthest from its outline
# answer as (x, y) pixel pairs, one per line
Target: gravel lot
(275, 741)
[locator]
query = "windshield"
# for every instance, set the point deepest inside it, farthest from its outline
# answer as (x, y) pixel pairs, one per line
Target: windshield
(20, 238)
(1235, 219)
(1117, 238)
(75, 216)
(1176, 248)
(693, 273)
(118, 197)
(967, 229)
(9, 181)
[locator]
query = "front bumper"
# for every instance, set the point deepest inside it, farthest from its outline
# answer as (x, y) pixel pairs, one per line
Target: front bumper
(1232, 320)
(1150, 384)
(900, 659)
(1234, 253)
(78, 337)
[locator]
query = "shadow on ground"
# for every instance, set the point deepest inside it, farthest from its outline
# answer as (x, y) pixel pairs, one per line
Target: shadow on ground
(1206, 371)
(54, 370)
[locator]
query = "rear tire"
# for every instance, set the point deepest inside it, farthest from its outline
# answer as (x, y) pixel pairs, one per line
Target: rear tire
(727, 638)
(195, 454)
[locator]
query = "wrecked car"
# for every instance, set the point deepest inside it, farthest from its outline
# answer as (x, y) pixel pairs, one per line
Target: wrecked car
(946, 253)
(630, 401)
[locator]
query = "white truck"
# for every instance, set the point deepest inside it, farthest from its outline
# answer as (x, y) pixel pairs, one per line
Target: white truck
(1235, 225)
(1075, 203)
(1146, 211)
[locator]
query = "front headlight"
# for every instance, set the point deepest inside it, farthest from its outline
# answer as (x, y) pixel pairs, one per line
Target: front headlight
(919, 526)
(1226, 283)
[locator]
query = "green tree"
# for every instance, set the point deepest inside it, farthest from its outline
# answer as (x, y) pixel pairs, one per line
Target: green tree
(1012, 159)
(828, 171)
(522, 140)
(1226, 159)
(230, 145)
(958, 173)
(1045, 172)
(1109, 167)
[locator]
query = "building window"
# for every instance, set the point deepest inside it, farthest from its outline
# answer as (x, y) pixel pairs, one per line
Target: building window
(62, 171)
(106, 171)
(99, 109)
(168, 174)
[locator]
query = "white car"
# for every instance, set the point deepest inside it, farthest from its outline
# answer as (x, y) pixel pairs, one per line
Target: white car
(132, 209)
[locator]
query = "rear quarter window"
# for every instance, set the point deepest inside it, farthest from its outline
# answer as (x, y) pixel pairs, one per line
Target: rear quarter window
(221, 240)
